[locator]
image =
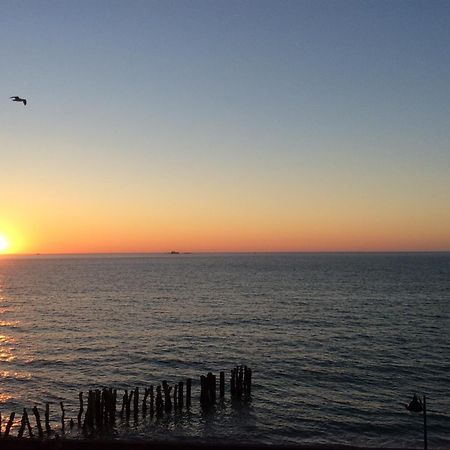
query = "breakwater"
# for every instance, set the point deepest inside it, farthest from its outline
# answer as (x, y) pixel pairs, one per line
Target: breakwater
(102, 408)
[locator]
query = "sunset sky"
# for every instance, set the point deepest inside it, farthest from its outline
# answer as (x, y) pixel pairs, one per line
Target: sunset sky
(224, 126)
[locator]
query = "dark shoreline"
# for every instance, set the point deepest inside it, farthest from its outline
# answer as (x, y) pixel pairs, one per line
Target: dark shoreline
(105, 444)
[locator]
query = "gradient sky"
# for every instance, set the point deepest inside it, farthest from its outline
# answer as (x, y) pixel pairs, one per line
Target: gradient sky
(225, 125)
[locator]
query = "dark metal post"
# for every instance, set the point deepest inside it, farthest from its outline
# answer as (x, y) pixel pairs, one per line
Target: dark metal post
(425, 437)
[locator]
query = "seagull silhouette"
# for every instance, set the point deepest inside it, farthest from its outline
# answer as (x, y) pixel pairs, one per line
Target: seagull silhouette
(18, 99)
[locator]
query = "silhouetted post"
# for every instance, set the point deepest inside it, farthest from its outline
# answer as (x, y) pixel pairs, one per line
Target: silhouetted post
(98, 409)
(425, 437)
(48, 430)
(80, 412)
(124, 402)
(128, 410)
(159, 402)
(240, 381)
(136, 404)
(113, 406)
(175, 396)
(188, 392)
(152, 402)
(144, 402)
(248, 381)
(104, 405)
(233, 382)
(38, 422)
(203, 390)
(213, 388)
(222, 385)
(22, 423)
(63, 416)
(167, 401)
(180, 395)
(9, 425)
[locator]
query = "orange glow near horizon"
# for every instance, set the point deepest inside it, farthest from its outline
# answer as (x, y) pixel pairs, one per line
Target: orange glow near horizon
(217, 237)
(56, 226)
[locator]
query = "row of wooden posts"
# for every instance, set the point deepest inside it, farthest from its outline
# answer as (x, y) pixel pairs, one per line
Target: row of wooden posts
(101, 408)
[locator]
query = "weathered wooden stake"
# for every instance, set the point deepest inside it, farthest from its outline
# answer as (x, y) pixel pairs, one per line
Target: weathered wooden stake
(124, 402)
(144, 402)
(22, 424)
(188, 392)
(222, 385)
(175, 397)
(233, 383)
(98, 409)
(38, 422)
(48, 430)
(80, 412)
(9, 425)
(159, 402)
(128, 409)
(136, 403)
(167, 400)
(203, 390)
(63, 416)
(152, 402)
(180, 395)
(113, 405)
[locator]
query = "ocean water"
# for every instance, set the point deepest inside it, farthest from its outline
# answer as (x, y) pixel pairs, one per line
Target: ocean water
(338, 343)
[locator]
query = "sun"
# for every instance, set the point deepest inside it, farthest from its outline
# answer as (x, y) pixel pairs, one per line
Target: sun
(4, 244)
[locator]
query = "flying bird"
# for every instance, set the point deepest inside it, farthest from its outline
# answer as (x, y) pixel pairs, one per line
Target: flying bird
(18, 99)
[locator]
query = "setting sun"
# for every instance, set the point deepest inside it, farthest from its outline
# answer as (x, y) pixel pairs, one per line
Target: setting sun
(3, 244)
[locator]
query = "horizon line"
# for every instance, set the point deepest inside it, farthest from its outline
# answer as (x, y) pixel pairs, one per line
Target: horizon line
(249, 252)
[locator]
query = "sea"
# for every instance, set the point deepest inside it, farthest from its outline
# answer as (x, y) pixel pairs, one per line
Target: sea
(338, 343)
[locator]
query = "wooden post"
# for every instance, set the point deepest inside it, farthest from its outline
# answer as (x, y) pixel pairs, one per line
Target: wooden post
(180, 395)
(38, 422)
(159, 401)
(113, 406)
(104, 405)
(9, 425)
(98, 409)
(240, 381)
(124, 402)
(128, 410)
(249, 381)
(136, 403)
(213, 388)
(144, 402)
(425, 437)
(175, 397)
(203, 390)
(22, 424)
(48, 430)
(63, 416)
(222, 385)
(188, 392)
(80, 412)
(167, 400)
(233, 383)
(152, 402)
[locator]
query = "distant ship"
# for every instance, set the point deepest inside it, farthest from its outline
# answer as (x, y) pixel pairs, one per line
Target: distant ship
(173, 252)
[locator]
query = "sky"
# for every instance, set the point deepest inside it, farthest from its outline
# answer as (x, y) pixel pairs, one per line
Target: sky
(212, 126)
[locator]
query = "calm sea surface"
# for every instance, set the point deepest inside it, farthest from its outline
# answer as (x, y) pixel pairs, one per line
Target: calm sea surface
(338, 343)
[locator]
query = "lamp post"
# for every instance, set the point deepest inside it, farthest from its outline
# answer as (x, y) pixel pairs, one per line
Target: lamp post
(420, 405)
